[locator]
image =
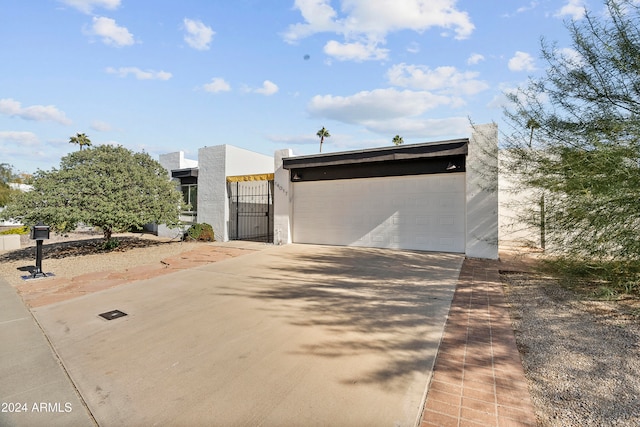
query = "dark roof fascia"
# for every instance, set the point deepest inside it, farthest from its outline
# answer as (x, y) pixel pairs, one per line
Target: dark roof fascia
(408, 152)
(184, 173)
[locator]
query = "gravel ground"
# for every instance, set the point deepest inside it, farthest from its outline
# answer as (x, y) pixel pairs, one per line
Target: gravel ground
(75, 254)
(581, 357)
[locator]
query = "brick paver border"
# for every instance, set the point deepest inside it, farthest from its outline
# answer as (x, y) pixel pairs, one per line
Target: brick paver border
(478, 378)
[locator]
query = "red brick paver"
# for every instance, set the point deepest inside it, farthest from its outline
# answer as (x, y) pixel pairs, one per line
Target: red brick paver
(478, 379)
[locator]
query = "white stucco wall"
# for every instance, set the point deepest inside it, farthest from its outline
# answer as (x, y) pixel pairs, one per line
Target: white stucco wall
(482, 192)
(212, 191)
(214, 165)
(518, 209)
(176, 160)
(239, 161)
(282, 200)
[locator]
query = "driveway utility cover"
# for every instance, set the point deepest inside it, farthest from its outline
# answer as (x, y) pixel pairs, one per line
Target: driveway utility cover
(290, 335)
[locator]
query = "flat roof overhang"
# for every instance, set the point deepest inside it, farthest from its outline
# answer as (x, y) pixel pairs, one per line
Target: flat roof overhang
(416, 159)
(408, 152)
(185, 173)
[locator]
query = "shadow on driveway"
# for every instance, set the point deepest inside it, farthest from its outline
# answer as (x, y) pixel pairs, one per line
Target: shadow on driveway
(289, 335)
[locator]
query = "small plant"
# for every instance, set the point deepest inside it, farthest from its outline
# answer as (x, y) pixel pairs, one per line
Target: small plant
(605, 279)
(201, 232)
(110, 244)
(19, 230)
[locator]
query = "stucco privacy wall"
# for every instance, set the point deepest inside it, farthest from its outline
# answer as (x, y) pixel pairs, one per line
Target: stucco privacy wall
(482, 192)
(214, 165)
(518, 208)
(282, 200)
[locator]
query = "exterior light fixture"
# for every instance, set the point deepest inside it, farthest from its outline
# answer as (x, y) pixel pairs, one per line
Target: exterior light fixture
(451, 166)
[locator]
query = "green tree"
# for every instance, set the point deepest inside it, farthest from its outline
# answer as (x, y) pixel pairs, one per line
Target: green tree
(108, 187)
(397, 140)
(81, 139)
(6, 176)
(585, 154)
(322, 134)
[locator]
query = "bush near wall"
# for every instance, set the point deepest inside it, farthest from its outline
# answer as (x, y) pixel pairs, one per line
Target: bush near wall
(19, 230)
(202, 232)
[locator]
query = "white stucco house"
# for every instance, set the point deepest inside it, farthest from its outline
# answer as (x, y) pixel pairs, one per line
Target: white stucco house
(206, 184)
(435, 196)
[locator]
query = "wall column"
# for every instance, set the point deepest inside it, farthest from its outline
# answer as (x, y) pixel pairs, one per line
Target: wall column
(282, 200)
(482, 192)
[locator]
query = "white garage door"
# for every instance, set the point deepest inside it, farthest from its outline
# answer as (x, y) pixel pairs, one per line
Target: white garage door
(423, 212)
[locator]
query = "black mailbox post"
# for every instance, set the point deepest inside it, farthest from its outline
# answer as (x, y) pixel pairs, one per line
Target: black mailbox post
(39, 232)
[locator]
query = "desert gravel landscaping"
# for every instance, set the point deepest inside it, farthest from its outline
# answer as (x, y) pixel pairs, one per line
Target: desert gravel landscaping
(581, 356)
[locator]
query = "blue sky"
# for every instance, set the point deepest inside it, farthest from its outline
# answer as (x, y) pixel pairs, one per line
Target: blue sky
(163, 76)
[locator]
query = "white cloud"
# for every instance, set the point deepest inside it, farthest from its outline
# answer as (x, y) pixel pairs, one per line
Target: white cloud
(475, 58)
(413, 47)
(368, 22)
(572, 56)
(37, 113)
(502, 101)
(198, 35)
(354, 51)
(319, 17)
(379, 104)
(101, 126)
(527, 8)
(216, 85)
(447, 80)
(111, 33)
(23, 138)
(86, 6)
(268, 88)
(139, 74)
(574, 8)
(521, 61)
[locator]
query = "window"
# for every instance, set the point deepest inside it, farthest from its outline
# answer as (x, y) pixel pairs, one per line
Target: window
(190, 195)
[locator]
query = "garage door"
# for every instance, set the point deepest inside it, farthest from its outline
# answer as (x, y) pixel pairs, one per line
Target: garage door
(423, 212)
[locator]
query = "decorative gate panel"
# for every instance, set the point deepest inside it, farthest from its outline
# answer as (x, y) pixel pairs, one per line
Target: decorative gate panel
(250, 208)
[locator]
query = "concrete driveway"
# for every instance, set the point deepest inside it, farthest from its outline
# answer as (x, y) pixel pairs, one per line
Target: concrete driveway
(290, 335)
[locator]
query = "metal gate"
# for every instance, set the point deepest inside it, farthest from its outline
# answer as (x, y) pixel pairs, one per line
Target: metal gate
(250, 208)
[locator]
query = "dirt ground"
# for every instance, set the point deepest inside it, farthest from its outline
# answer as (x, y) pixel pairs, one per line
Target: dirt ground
(79, 253)
(79, 265)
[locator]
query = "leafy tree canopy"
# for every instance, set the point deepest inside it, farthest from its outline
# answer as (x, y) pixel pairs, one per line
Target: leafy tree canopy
(6, 176)
(108, 187)
(576, 135)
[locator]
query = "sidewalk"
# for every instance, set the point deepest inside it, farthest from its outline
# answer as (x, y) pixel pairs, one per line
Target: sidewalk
(478, 378)
(35, 389)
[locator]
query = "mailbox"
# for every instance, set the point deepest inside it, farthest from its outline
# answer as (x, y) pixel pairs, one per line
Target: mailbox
(40, 231)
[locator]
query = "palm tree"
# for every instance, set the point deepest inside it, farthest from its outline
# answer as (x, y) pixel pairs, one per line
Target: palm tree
(81, 139)
(323, 133)
(532, 124)
(397, 140)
